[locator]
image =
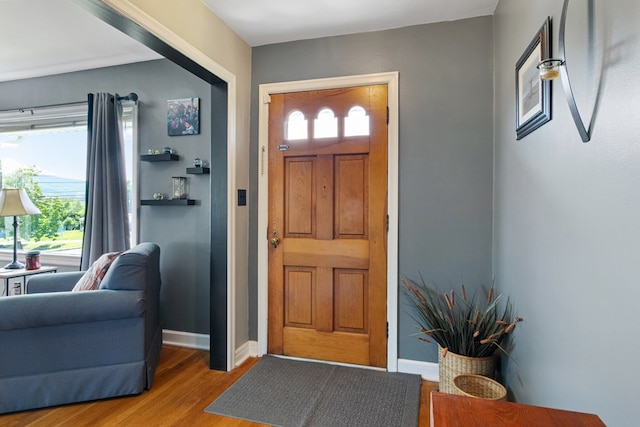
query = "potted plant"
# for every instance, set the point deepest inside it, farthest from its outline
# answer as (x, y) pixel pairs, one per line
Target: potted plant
(469, 330)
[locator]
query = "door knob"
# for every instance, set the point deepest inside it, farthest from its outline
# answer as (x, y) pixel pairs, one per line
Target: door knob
(275, 240)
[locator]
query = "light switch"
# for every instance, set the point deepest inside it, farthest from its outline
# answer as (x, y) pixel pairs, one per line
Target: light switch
(242, 197)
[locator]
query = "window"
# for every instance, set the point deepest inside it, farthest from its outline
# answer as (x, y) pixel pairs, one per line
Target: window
(357, 122)
(296, 126)
(130, 135)
(44, 151)
(326, 125)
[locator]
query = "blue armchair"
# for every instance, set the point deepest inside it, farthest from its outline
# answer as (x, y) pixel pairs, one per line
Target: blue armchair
(59, 347)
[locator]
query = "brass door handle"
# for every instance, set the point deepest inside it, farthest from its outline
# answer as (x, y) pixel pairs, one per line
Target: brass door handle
(275, 240)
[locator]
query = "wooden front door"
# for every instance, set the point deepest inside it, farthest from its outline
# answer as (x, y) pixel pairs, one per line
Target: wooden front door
(328, 225)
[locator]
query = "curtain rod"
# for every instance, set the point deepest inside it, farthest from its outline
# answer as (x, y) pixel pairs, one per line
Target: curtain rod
(130, 97)
(23, 109)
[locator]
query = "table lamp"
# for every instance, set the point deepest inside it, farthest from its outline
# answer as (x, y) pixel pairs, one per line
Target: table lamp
(15, 202)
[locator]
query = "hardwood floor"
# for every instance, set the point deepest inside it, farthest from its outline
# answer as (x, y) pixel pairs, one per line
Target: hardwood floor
(183, 387)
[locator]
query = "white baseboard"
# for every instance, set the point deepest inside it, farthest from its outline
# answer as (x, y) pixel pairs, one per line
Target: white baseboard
(245, 351)
(185, 339)
(201, 342)
(427, 370)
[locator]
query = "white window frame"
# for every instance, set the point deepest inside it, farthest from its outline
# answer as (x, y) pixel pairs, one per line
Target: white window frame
(72, 114)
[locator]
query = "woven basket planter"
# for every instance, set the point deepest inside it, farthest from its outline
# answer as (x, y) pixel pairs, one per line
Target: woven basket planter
(479, 386)
(453, 365)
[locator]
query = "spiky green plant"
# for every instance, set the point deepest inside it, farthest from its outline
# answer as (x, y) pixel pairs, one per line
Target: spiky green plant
(472, 326)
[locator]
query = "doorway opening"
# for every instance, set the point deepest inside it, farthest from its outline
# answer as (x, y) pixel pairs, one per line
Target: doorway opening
(222, 188)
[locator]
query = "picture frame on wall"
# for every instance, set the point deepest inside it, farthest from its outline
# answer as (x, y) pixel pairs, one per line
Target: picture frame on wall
(533, 95)
(183, 116)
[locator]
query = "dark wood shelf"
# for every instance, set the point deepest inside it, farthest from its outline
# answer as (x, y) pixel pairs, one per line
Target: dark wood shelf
(199, 171)
(168, 202)
(159, 157)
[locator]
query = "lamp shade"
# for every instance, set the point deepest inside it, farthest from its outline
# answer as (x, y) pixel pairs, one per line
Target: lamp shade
(16, 202)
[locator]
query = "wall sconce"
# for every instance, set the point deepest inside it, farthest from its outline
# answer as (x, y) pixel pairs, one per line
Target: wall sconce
(552, 67)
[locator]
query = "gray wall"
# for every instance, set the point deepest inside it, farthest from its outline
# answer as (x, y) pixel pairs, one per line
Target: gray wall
(566, 227)
(445, 143)
(181, 232)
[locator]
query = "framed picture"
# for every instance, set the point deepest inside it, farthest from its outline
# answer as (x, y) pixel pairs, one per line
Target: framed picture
(533, 96)
(183, 116)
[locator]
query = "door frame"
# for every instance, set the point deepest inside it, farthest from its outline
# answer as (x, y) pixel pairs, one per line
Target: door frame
(265, 90)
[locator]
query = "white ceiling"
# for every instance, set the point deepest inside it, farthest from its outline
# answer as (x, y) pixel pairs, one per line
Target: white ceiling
(261, 22)
(43, 37)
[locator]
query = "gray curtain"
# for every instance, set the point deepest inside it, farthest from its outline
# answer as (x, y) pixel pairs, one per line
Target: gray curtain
(106, 222)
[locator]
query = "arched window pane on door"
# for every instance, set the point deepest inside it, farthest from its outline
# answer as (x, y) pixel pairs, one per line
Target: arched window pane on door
(296, 126)
(357, 122)
(326, 125)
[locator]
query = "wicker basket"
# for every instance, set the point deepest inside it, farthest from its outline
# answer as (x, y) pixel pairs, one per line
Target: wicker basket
(453, 365)
(479, 386)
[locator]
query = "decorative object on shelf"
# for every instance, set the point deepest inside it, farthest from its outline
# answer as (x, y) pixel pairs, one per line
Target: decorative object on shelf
(183, 116)
(15, 202)
(468, 330)
(551, 68)
(168, 150)
(32, 260)
(199, 167)
(152, 151)
(179, 187)
(533, 96)
(158, 196)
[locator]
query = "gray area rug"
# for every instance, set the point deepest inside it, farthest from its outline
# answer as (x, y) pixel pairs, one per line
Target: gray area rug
(291, 393)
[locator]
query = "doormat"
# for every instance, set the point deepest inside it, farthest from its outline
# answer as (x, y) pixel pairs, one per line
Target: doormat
(293, 393)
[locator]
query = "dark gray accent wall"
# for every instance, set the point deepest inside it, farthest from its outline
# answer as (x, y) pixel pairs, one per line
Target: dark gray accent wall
(183, 233)
(446, 142)
(566, 226)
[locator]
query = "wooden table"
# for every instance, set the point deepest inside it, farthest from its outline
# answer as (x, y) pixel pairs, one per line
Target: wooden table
(6, 275)
(448, 410)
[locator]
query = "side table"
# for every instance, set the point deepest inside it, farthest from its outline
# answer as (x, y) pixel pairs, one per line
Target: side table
(449, 410)
(6, 275)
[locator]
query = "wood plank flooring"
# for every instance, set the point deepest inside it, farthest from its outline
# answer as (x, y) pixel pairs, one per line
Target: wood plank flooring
(183, 387)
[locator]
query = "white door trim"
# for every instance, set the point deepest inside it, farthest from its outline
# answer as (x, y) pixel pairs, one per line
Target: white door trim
(391, 80)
